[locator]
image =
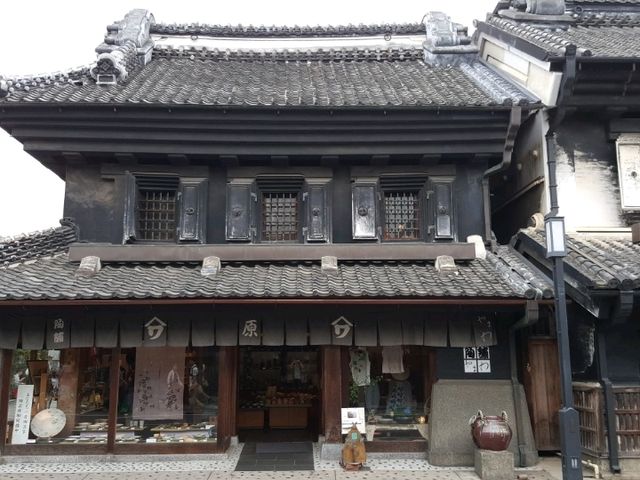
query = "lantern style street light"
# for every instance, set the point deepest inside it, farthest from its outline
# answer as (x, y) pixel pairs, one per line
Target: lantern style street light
(568, 416)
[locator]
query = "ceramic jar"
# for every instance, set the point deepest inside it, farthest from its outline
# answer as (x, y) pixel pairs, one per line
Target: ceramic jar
(490, 432)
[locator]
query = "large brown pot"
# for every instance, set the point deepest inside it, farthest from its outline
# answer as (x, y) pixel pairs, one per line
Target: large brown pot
(490, 433)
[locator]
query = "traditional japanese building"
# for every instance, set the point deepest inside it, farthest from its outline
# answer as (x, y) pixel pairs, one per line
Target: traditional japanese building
(256, 238)
(581, 58)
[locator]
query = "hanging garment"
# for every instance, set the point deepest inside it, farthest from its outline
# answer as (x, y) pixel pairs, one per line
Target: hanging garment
(392, 360)
(360, 367)
(400, 400)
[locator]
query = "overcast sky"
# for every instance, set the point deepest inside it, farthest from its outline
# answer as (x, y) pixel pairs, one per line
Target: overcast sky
(44, 36)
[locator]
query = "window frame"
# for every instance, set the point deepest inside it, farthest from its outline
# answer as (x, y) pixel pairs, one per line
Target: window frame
(421, 217)
(260, 213)
(190, 208)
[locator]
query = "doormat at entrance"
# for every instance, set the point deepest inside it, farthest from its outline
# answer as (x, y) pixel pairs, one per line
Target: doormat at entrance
(284, 447)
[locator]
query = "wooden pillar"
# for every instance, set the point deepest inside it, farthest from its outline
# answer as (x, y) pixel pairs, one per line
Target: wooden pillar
(6, 357)
(331, 393)
(227, 394)
(114, 385)
(346, 376)
(68, 390)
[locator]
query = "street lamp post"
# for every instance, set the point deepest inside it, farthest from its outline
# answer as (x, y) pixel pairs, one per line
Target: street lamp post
(568, 416)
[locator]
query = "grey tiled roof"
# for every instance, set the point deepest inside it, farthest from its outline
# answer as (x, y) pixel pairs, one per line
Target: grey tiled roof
(54, 278)
(39, 277)
(595, 32)
(219, 78)
(287, 31)
(36, 245)
(606, 260)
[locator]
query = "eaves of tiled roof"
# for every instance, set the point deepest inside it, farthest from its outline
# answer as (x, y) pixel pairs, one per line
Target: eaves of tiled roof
(264, 31)
(31, 247)
(595, 30)
(54, 277)
(338, 78)
(604, 261)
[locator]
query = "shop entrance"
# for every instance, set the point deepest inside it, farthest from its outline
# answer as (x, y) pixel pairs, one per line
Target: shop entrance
(279, 394)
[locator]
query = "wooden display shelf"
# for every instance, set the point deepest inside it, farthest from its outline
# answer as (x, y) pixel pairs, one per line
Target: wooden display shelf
(251, 418)
(288, 416)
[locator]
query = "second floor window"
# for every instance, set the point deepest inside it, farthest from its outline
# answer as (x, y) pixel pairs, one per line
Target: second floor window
(157, 215)
(280, 217)
(401, 215)
(278, 208)
(396, 208)
(164, 208)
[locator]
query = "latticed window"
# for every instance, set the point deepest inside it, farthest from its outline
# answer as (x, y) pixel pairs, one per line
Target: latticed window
(401, 215)
(280, 212)
(157, 215)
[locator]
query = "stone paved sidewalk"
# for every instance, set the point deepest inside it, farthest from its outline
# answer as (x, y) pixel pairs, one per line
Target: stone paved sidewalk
(221, 467)
(293, 475)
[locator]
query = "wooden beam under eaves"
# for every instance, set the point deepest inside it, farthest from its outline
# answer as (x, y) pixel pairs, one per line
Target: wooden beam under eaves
(380, 160)
(126, 159)
(74, 158)
(178, 160)
(280, 160)
(329, 160)
(229, 160)
(430, 159)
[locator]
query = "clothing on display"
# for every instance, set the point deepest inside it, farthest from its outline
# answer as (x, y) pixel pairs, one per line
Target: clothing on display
(392, 360)
(360, 367)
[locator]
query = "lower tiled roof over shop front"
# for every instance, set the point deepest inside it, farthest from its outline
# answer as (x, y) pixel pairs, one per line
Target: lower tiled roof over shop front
(54, 277)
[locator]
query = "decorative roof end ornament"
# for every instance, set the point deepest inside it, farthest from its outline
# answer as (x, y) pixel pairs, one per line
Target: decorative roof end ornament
(211, 266)
(447, 42)
(446, 264)
(544, 7)
(4, 88)
(127, 46)
(538, 11)
(329, 264)
(481, 251)
(89, 267)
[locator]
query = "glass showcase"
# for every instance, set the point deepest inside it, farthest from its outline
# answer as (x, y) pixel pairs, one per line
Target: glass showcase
(165, 395)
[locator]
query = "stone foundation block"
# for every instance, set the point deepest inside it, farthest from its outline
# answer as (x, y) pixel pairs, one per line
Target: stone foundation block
(494, 465)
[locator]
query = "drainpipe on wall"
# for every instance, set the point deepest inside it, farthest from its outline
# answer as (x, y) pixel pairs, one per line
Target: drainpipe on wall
(609, 405)
(530, 317)
(515, 121)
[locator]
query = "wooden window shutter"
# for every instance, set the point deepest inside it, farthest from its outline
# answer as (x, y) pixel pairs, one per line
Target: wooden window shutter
(130, 220)
(363, 210)
(443, 209)
(192, 210)
(239, 218)
(318, 216)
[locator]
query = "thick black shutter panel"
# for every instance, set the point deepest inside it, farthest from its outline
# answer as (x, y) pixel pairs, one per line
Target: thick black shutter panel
(317, 213)
(364, 211)
(130, 222)
(238, 211)
(192, 210)
(443, 214)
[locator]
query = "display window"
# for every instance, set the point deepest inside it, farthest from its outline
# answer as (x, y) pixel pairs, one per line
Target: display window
(168, 395)
(393, 386)
(59, 397)
(165, 395)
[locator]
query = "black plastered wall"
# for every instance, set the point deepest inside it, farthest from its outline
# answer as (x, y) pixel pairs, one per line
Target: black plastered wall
(92, 202)
(450, 361)
(469, 201)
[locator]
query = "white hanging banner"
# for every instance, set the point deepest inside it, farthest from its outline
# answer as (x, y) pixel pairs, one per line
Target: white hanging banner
(159, 383)
(22, 416)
